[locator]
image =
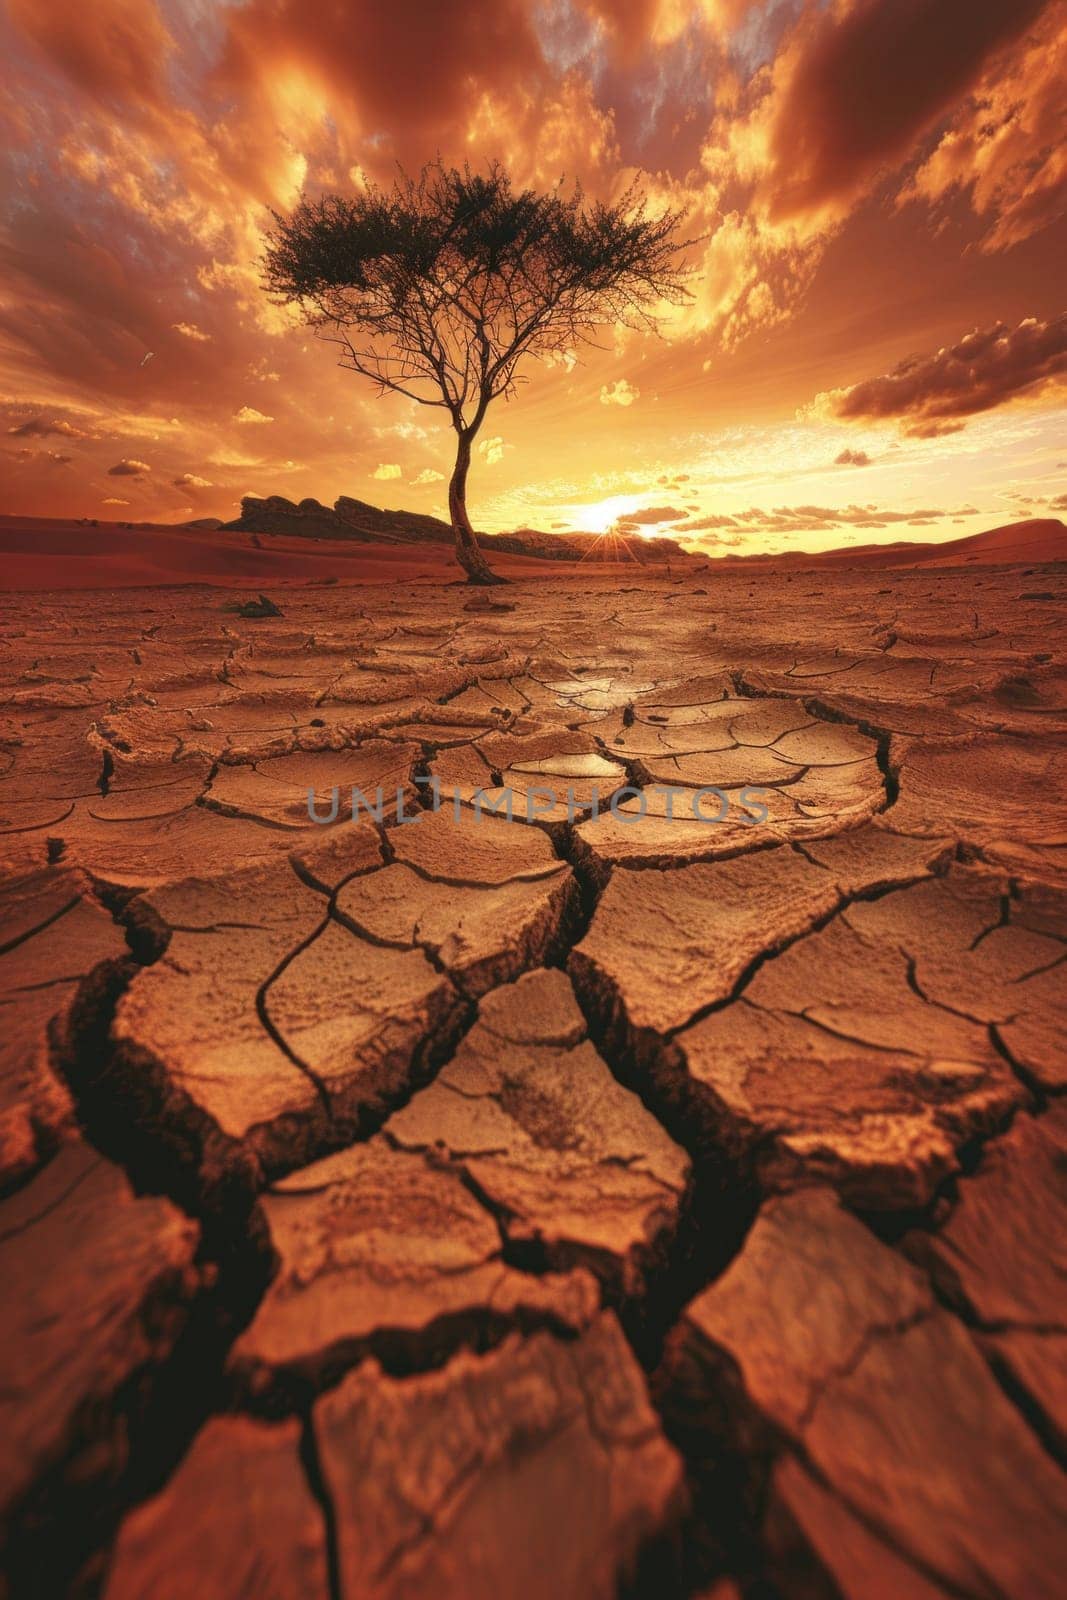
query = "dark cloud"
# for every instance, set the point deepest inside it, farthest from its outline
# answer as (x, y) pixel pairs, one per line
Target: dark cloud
(852, 458)
(867, 80)
(721, 521)
(406, 70)
(628, 25)
(1003, 145)
(42, 427)
(816, 519)
(652, 514)
(113, 50)
(44, 458)
(929, 394)
(128, 469)
(934, 430)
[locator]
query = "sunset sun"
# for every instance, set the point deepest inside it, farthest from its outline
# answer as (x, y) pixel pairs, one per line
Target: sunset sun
(603, 514)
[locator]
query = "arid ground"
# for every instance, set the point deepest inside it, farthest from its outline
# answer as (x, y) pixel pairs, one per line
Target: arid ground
(471, 1208)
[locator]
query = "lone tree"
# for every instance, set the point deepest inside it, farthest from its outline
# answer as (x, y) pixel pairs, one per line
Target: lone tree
(438, 286)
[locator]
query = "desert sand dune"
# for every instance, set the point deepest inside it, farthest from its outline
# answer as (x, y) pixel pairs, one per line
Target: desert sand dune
(1038, 539)
(39, 553)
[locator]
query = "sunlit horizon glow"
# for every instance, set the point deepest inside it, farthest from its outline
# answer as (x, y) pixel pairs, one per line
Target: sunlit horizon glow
(875, 349)
(603, 514)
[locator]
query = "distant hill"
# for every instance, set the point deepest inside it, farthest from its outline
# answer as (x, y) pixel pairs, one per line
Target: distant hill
(49, 553)
(1040, 539)
(349, 519)
(356, 521)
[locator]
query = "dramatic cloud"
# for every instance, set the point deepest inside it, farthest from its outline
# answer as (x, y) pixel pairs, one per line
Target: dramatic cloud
(128, 469)
(831, 154)
(619, 393)
(112, 49)
(929, 394)
(850, 97)
(852, 458)
(1006, 145)
(406, 72)
(113, 500)
(860, 82)
(189, 480)
(386, 470)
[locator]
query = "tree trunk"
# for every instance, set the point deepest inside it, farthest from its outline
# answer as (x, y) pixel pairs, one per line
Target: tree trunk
(468, 551)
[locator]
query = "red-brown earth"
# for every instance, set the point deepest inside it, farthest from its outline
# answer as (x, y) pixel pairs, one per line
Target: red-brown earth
(45, 553)
(477, 1208)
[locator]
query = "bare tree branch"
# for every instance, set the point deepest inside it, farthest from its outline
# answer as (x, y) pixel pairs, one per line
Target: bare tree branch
(437, 287)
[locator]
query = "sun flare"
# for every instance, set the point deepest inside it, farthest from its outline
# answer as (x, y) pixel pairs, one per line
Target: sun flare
(602, 514)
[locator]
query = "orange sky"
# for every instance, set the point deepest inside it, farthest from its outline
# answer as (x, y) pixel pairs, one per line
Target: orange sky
(878, 337)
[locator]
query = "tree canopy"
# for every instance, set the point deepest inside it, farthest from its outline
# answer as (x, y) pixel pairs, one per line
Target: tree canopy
(437, 286)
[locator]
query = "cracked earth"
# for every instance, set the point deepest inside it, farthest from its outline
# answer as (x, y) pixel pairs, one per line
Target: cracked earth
(608, 1203)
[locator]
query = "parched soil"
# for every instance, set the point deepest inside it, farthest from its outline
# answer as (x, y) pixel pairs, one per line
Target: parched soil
(611, 1199)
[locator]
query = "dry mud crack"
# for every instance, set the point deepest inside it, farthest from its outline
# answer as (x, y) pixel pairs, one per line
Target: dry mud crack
(606, 1200)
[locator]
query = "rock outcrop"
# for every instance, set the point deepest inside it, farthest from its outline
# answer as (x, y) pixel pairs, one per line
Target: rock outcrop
(357, 520)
